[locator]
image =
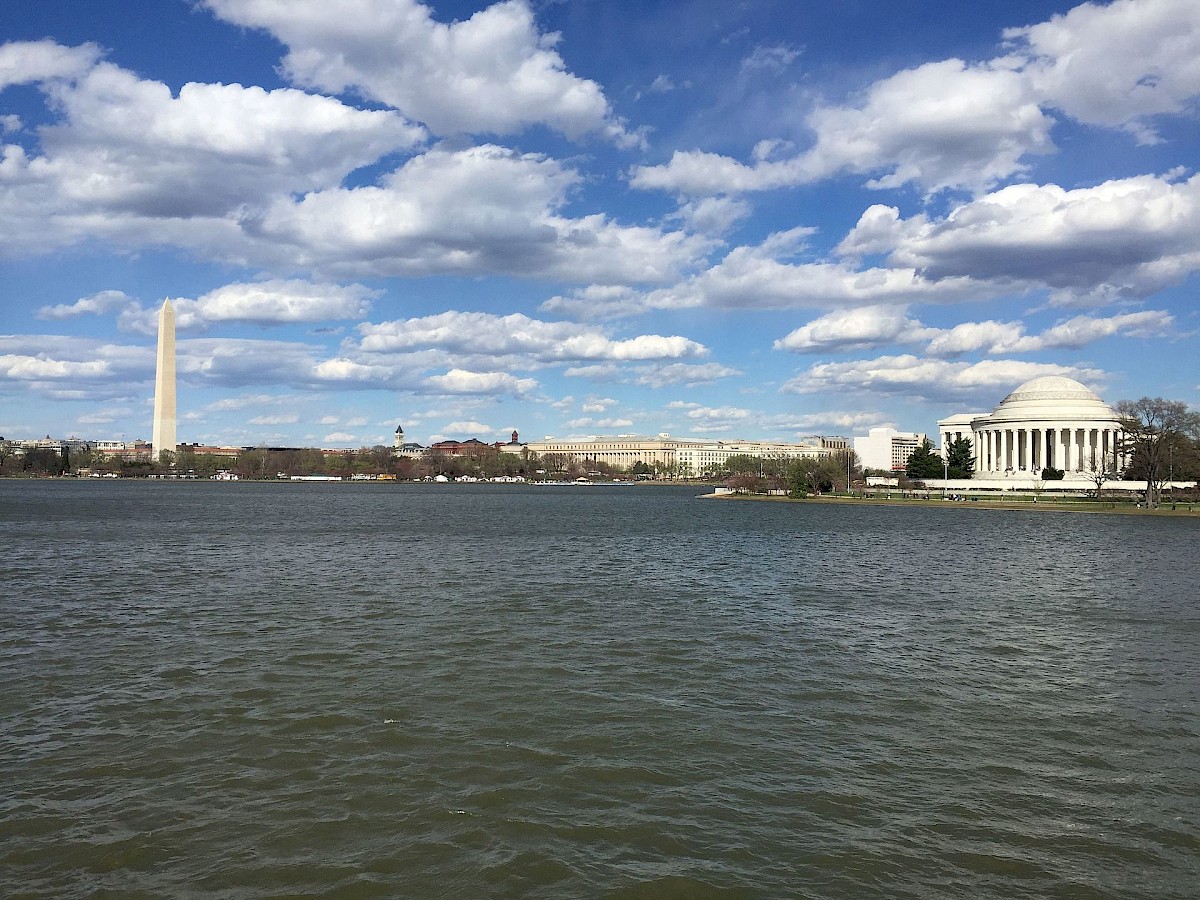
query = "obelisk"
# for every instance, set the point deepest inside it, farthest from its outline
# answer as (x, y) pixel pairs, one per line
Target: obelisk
(163, 437)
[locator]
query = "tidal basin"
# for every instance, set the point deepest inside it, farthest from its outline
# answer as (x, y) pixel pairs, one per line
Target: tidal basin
(254, 690)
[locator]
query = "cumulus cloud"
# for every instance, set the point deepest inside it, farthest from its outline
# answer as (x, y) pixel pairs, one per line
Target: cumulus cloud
(713, 215)
(853, 329)
(272, 302)
(1118, 64)
(655, 375)
(927, 379)
(943, 124)
(493, 73)
(721, 415)
(482, 210)
(971, 125)
(460, 381)
(760, 277)
(517, 335)
(280, 301)
(31, 62)
(1010, 337)
(98, 304)
(874, 327)
(258, 178)
(208, 150)
(126, 152)
(588, 422)
(1129, 236)
(49, 365)
(467, 427)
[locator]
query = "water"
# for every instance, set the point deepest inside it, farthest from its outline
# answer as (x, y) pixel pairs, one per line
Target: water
(239, 690)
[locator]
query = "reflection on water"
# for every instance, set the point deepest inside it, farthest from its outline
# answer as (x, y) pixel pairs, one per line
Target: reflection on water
(385, 690)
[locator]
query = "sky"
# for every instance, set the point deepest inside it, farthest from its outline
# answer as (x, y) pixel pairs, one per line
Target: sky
(764, 219)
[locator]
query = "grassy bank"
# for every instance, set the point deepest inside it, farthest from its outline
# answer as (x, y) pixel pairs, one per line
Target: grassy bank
(1111, 507)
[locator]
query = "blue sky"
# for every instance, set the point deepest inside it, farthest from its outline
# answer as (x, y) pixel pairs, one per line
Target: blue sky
(759, 219)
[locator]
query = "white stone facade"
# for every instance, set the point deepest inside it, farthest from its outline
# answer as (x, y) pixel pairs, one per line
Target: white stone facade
(1050, 422)
(687, 456)
(163, 434)
(887, 448)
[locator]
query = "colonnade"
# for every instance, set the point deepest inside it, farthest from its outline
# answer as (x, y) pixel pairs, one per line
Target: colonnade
(1059, 446)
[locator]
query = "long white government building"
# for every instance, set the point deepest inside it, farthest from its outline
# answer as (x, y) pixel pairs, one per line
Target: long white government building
(1051, 422)
(687, 456)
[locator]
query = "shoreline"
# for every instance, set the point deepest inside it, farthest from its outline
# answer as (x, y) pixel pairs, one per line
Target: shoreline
(1099, 507)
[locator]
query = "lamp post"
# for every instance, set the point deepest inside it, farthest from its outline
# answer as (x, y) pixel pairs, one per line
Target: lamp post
(945, 472)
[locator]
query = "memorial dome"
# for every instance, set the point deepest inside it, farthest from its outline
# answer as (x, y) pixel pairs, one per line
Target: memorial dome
(1052, 397)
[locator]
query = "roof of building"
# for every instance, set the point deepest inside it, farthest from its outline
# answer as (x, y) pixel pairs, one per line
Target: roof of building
(1052, 397)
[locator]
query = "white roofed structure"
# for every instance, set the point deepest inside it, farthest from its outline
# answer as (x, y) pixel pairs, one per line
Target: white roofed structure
(1048, 422)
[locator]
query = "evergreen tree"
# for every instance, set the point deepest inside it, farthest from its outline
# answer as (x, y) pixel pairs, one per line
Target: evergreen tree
(924, 463)
(960, 459)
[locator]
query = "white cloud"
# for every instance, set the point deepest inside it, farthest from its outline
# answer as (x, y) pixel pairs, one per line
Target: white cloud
(971, 125)
(721, 415)
(278, 301)
(98, 304)
(774, 59)
(460, 381)
(492, 73)
(873, 327)
(804, 425)
(47, 368)
(713, 215)
(927, 379)
(854, 329)
(597, 301)
(469, 427)
(1082, 330)
(1116, 65)
(757, 277)
(483, 210)
(258, 178)
(968, 337)
(275, 420)
(273, 302)
(1127, 236)
(942, 124)
(104, 416)
(72, 368)
(517, 335)
(686, 374)
(339, 437)
(30, 62)
(246, 401)
(126, 159)
(351, 372)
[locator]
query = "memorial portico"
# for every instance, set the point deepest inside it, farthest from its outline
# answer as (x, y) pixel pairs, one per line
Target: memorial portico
(1049, 422)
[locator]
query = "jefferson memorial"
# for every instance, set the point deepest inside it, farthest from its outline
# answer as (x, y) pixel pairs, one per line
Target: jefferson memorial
(1051, 422)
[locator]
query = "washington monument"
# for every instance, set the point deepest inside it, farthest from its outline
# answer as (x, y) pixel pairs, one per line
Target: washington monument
(163, 437)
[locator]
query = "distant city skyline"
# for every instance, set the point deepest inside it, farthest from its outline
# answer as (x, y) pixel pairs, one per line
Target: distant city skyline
(756, 221)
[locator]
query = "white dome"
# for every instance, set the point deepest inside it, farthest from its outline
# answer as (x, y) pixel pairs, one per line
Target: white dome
(1052, 397)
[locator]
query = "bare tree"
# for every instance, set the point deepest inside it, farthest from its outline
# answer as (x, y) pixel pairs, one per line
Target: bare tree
(1101, 469)
(1154, 428)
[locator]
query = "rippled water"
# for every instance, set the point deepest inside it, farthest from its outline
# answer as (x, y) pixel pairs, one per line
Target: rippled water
(238, 690)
